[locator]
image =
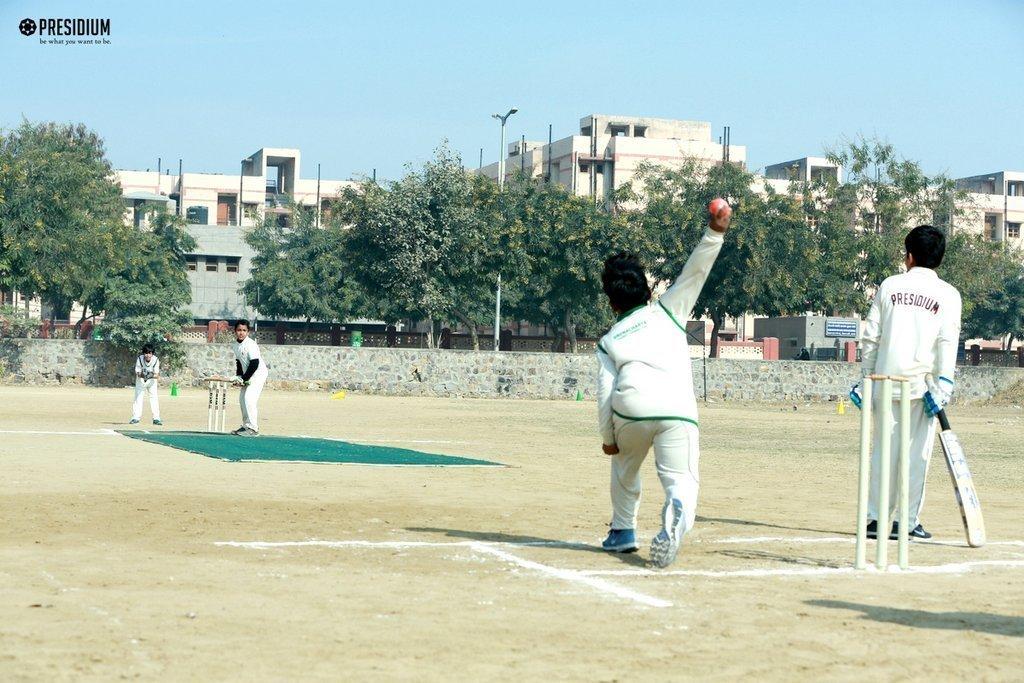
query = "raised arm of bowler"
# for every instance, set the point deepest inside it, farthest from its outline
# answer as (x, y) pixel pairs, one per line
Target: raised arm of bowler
(912, 330)
(645, 392)
(251, 374)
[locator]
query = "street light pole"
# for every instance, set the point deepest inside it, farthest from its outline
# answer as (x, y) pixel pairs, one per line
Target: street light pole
(501, 186)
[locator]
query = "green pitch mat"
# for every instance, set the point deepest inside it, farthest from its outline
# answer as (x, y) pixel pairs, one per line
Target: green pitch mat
(298, 449)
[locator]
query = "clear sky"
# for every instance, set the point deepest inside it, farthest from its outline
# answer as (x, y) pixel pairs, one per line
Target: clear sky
(363, 85)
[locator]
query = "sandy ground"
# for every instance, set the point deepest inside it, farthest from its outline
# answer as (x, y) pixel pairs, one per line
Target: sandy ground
(122, 559)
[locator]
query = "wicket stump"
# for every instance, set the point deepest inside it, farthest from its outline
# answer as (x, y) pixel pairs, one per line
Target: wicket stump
(885, 427)
(217, 403)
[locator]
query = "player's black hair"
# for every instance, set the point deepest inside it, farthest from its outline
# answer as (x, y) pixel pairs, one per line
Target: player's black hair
(147, 348)
(927, 244)
(241, 322)
(625, 282)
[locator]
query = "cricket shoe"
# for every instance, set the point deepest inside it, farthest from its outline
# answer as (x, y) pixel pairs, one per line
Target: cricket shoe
(239, 431)
(665, 546)
(158, 423)
(620, 541)
(247, 431)
(133, 421)
(917, 532)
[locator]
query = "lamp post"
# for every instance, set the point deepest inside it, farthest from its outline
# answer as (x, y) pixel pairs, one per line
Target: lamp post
(501, 185)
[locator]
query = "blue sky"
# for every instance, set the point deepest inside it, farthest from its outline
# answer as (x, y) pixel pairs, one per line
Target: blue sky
(359, 86)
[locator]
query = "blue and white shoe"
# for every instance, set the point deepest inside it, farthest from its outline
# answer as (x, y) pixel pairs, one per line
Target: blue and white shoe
(665, 546)
(620, 541)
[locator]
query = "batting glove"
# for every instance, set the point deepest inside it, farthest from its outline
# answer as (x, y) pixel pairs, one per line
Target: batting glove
(938, 395)
(855, 396)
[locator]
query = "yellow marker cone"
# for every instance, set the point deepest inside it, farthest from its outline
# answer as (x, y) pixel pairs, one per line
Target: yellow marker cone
(338, 395)
(841, 408)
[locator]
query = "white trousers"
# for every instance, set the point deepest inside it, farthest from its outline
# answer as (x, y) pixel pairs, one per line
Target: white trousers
(142, 387)
(922, 441)
(676, 456)
(248, 398)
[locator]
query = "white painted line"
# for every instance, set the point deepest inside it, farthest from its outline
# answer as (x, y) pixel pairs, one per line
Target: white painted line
(840, 539)
(479, 546)
(573, 576)
(357, 440)
(95, 432)
(954, 568)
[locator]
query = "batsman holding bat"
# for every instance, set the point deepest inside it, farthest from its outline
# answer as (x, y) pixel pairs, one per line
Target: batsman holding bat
(912, 330)
(645, 392)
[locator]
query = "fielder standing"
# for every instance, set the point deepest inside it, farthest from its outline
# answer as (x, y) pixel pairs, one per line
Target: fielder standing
(147, 371)
(912, 330)
(645, 392)
(251, 374)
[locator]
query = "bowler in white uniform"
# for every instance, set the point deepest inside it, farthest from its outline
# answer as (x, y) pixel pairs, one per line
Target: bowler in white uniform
(251, 374)
(912, 330)
(645, 393)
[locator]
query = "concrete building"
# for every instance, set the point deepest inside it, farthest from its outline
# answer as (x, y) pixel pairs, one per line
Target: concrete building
(608, 150)
(218, 207)
(995, 207)
(820, 336)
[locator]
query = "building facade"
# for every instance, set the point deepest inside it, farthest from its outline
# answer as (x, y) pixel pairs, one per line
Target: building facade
(218, 208)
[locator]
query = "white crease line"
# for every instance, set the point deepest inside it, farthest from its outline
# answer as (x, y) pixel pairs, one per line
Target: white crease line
(954, 568)
(841, 539)
(357, 440)
(489, 549)
(573, 576)
(97, 432)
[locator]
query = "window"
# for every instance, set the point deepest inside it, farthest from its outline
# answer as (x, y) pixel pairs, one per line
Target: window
(620, 130)
(1015, 188)
(212, 265)
(1013, 230)
(990, 226)
(232, 264)
(191, 262)
(639, 131)
(586, 130)
(584, 168)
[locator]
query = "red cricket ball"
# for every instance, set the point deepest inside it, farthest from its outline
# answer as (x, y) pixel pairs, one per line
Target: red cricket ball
(717, 205)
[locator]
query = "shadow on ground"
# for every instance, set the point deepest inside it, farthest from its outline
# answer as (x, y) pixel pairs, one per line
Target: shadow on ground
(981, 622)
(748, 522)
(516, 539)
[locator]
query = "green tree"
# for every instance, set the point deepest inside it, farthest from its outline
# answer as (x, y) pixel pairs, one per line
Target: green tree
(147, 301)
(61, 215)
(301, 270)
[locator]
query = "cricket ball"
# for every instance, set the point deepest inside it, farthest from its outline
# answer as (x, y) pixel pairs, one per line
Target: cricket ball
(717, 205)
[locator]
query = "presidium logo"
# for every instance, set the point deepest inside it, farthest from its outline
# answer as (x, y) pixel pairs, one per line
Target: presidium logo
(63, 31)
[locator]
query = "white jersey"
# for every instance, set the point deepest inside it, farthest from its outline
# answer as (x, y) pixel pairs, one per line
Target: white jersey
(645, 359)
(913, 329)
(147, 370)
(249, 350)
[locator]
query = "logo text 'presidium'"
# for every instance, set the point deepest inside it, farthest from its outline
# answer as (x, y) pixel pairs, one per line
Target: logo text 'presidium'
(72, 27)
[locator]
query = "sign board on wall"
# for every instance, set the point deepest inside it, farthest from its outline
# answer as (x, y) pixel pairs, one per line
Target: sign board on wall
(841, 327)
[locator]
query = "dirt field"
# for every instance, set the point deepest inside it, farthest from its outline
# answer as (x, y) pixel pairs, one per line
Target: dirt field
(122, 559)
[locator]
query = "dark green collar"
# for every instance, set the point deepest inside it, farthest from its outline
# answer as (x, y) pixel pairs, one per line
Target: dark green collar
(630, 312)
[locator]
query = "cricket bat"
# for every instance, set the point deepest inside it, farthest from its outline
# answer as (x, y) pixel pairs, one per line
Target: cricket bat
(963, 484)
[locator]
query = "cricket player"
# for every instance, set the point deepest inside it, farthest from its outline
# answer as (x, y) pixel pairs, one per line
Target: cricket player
(147, 370)
(912, 330)
(251, 374)
(645, 393)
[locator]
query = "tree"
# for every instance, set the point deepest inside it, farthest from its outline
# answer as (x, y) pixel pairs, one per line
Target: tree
(61, 218)
(768, 262)
(430, 244)
(301, 270)
(146, 302)
(565, 240)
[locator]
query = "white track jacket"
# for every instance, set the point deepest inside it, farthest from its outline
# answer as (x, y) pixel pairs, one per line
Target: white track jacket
(912, 329)
(644, 359)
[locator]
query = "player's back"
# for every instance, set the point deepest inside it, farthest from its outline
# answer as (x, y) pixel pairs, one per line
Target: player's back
(652, 360)
(912, 308)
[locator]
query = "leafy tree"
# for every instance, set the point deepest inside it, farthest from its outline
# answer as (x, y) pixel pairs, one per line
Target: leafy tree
(430, 245)
(565, 240)
(301, 270)
(147, 301)
(61, 215)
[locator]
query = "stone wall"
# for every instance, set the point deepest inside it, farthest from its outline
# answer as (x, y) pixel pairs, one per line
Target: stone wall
(415, 372)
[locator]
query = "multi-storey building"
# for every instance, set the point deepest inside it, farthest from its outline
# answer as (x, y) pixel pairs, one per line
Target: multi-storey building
(995, 206)
(218, 207)
(608, 151)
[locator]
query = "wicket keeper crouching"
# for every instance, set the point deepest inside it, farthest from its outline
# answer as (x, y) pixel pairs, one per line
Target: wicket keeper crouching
(645, 393)
(912, 330)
